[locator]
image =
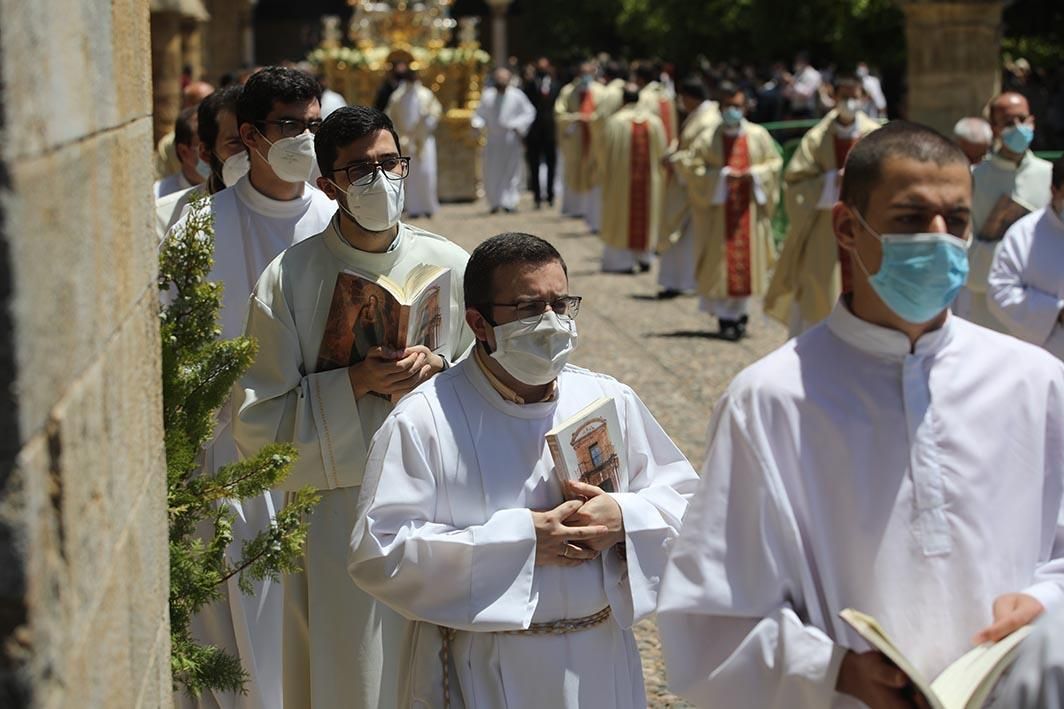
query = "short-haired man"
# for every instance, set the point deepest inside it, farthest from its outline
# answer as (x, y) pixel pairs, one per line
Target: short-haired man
(220, 150)
(191, 171)
(340, 647)
(1010, 183)
(1027, 279)
(894, 459)
(975, 136)
(732, 177)
(464, 524)
(813, 270)
(676, 272)
(263, 213)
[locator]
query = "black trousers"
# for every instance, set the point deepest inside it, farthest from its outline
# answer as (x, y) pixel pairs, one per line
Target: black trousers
(537, 153)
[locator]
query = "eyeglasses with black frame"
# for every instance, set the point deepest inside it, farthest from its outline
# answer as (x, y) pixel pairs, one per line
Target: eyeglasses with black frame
(566, 308)
(291, 127)
(364, 172)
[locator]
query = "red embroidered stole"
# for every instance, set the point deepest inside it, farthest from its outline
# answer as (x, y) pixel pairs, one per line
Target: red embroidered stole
(639, 188)
(587, 107)
(842, 149)
(737, 217)
(665, 109)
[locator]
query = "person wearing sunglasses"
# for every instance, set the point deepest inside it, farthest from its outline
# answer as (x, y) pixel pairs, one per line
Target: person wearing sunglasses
(348, 641)
(529, 589)
(257, 217)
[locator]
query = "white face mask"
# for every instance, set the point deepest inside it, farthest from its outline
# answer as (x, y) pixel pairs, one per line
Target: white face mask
(235, 167)
(534, 350)
(292, 159)
(376, 206)
(848, 109)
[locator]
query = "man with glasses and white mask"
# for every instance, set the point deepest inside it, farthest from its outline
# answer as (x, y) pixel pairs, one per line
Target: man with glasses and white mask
(521, 598)
(339, 644)
(264, 212)
(894, 459)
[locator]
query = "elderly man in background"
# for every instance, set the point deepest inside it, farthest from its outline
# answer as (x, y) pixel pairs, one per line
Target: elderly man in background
(975, 136)
(505, 114)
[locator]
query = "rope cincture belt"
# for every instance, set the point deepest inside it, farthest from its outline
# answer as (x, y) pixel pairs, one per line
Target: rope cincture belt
(554, 627)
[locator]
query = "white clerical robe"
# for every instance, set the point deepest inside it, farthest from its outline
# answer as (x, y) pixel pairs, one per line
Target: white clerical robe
(506, 119)
(847, 469)
(170, 184)
(631, 150)
(992, 179)
(416, 112)
(676, 244)
(446, 537)
(1027, 280)
(339, 645)
(250, 229)
(170, 208)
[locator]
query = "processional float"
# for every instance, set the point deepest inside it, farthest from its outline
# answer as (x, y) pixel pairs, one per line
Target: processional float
(419, 33)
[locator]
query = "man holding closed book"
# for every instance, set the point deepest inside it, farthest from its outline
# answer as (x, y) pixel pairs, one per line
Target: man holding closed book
(337, 640)
(895, 459)
(523, 591)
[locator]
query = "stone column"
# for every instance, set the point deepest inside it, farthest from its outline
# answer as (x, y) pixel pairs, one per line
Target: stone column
(953, 58)
(499, 49)
(227, 37)
(166, 56)
(192, 47)
(83, 520)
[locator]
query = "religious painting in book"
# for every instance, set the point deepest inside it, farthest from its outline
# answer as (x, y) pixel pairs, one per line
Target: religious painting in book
(370, 311)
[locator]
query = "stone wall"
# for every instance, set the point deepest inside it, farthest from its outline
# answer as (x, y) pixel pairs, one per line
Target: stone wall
(83, 545)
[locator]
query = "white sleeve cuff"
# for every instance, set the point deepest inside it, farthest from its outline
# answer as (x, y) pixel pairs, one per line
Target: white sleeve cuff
(721, 193)
(829, 195)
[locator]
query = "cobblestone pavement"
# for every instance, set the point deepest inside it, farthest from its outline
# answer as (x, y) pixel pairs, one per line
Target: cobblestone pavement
(665, 350)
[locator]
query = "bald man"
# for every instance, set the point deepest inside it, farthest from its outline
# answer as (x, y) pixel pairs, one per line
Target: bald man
(1009, 184)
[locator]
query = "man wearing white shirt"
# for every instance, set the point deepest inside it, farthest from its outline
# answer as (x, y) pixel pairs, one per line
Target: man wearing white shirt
(505, 114)
(192, 171)
(264, 212)
(895, 459)
(875, 102)
(340, 646)
(1005, 186)
(464, 524)
(1026, 278)
(416, 112)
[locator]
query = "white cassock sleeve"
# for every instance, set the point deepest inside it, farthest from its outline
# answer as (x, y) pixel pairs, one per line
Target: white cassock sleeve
(660, 482)
(1029, 313)
(731, 604)
(276, 402)
(524, 113)
(476, 578)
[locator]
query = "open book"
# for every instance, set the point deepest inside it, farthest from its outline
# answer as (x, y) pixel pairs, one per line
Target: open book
(965, 684)
(1005, 213)
(370, 311)
(588, 446)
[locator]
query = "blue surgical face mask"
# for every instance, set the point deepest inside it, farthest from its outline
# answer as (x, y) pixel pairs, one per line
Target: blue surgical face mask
(732, 115)
(1018, 138)
(919, 274)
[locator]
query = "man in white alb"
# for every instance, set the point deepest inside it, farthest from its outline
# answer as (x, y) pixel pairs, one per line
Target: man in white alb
(1005, 186)
(464, 527)
(894, 459)
(415, 111)
(1026, 284)
(505, 114)
(264, 212)
(340, 646)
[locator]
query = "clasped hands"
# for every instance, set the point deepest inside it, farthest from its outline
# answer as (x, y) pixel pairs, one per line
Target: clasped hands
(579, 529)
(393, 373)
(876, 681)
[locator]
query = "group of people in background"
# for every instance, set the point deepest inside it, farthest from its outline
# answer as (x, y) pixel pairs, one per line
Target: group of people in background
(891, 456)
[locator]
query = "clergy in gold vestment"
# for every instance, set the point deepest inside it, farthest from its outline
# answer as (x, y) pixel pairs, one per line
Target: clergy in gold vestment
(676, 273)
(812, 270)
(654, 97)
(633, 144)
(573, 113)
(732, 178)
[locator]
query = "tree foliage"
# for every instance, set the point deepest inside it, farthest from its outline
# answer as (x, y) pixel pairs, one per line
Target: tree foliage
(199, 371)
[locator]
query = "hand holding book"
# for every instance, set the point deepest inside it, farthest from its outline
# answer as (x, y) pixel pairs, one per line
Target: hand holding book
(598, 509)
(393, 373)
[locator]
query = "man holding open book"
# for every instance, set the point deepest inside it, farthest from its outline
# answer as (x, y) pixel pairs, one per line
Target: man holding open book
(893, 459)
(313, 386)
(524, 586)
